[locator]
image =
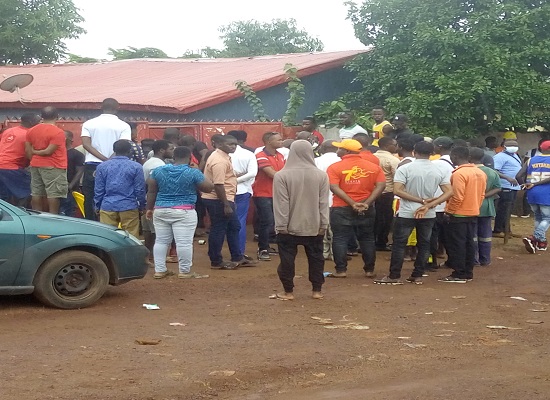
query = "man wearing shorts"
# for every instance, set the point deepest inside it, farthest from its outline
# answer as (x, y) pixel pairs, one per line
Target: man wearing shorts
(47, 150)
(15, 179)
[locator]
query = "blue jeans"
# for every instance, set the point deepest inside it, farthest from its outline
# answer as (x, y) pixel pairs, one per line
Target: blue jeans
(220, 226)
(67, 206)
(345, 222)
(242, 203)
(264, 209)
(175, 224)
(401, 232)
(542, 221)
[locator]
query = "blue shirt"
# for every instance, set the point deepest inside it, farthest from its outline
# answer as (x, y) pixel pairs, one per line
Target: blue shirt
(119, 185)
(538, 170)
(508, 164)
(177, 184)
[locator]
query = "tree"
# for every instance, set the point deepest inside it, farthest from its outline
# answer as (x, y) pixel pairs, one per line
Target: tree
(76, 59)
(456, 67)
(253, 38)
(32, 31)
(134, 52)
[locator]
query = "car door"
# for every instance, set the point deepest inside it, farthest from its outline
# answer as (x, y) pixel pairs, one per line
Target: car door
(12, 245)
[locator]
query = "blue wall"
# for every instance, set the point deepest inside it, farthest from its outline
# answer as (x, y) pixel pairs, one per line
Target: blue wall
(324, 86)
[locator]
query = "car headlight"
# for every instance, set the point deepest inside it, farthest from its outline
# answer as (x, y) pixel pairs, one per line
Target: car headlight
(131, 237)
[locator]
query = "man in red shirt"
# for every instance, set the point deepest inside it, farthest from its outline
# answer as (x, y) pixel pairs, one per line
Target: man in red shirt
(15, 180)
(309, 124)
(47, 149)
(270, 161)
(355, 183)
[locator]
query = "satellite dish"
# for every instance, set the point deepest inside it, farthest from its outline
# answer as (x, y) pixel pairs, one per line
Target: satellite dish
(16, 82)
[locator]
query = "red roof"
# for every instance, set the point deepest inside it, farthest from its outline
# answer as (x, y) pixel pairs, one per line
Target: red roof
(164, 85)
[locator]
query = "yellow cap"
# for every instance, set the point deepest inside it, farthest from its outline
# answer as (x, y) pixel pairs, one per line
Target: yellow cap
(509, 135)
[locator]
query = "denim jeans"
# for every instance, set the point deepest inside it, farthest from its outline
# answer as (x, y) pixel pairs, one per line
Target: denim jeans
(344, 222)
(461, 246)
(264, 210)
(242, 203)
(88, 187)
(174, 224)
(401, 232)
(542, 221)
(483, 240)
(504, 207)
(221, 226)
(67, 206)
(288, 248)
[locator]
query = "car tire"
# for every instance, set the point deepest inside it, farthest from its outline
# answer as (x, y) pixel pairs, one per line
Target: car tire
(71, 279)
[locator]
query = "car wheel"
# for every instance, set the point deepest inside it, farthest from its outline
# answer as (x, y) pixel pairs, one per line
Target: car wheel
(71, 279)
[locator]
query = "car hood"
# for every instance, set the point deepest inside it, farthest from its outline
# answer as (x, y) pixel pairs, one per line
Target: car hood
(69, 224)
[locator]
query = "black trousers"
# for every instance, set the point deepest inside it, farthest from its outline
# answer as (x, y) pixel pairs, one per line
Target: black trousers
(384, 219)
(88, 187)
(402, 230)
(504, 207)
(288, 248)
(461, 246)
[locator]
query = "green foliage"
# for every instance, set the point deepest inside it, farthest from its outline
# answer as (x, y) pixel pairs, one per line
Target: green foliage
(253, 38)
(134, 52)
(76, 59)
(456, 67)
(253, 100)
(328, 111)
(295, 88)
(32, 31)
(207, 52)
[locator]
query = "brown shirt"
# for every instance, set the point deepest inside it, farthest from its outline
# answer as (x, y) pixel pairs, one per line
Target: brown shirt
(219, 170)
(388, 163)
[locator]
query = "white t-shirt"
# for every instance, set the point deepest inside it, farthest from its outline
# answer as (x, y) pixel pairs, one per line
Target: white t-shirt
(104, 131)
(348, 133)
(444, 163)
(244, 162)
(323, 162)
(151, 164)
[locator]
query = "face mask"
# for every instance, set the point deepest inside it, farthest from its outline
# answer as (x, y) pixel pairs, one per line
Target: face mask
(512, 149)
(314, 145)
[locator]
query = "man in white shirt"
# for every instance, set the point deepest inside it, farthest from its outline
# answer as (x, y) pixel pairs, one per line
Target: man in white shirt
(98, 136)
(326, 159)
(442, 146)
(245, 166)
(349, 127)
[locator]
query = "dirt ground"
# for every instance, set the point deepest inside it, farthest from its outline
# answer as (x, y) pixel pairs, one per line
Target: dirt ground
(424, 342)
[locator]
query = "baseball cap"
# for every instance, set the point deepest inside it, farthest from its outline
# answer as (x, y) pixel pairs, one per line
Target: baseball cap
(348, 144)
(545, 146)
(401, 117)
(443, 141)
(509, 135)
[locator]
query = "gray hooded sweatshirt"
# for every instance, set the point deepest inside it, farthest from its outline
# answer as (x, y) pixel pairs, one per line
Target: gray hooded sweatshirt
(300, 193)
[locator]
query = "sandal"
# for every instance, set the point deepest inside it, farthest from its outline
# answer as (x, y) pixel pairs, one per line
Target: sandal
(246, 263)
(227, 265)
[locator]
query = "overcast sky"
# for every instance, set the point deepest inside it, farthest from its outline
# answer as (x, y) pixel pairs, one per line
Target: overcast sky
(178, 25)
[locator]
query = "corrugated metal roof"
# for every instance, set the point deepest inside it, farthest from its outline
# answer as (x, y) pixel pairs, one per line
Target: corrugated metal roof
(167, 85)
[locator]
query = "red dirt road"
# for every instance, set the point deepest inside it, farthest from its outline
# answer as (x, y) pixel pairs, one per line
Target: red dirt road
(424, 342)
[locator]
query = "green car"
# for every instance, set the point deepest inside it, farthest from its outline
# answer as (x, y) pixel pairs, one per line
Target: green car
(65, 262)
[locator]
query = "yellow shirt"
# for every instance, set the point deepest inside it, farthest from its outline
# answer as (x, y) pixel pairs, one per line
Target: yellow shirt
(378, 134)
(435, 157)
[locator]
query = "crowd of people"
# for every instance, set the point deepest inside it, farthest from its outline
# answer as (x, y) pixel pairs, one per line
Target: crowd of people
(337, 199)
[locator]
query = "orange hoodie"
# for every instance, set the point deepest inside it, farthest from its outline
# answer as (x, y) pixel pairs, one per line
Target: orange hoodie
(468, 184)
